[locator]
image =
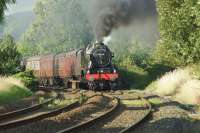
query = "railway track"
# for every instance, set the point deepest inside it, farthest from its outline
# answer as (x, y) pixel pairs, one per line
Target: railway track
(142, 119)
(23, 121)
(94, 120)
(31, 114)
(130, 127)
(146, 115)
(91, 113)
(98, 124)
(25, 110)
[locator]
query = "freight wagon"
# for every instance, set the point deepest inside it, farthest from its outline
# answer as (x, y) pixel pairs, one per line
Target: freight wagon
(57, 69)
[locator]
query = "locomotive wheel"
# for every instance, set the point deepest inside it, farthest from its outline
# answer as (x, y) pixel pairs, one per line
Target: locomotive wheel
(113, 85)
(45, 82)
(67, 83)
(51, 81)
(92, 85)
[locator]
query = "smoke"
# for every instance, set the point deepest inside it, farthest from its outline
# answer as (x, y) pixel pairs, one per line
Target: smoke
(112, 14)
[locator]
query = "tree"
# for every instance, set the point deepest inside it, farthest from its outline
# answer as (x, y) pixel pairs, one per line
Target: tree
(9, 56)
(179, 42)
(3, 7)
(59, 26)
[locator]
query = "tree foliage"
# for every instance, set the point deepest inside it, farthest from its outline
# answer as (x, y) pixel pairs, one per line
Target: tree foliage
(9, 56)
(131, 54)
(3, 7)
(59, 26)
(179, 42)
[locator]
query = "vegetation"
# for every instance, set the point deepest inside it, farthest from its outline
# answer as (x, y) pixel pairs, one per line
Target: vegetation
(9, 56)
(28, 78)
(59, 26)
(137, 67)
(182, 84)
(179, 32)
(133, 102)
(3, 7)
(12, 89)
(63, 25)
(14, 25)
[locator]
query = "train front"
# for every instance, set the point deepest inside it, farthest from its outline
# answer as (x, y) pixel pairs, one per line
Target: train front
(101, 73)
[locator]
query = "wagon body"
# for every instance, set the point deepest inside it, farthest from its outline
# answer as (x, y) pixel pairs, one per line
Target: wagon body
(34, 64)
(47, 66)
(67, 65)
(58, 69)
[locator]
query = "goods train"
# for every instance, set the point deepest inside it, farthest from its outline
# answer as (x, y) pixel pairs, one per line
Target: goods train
(92, 66)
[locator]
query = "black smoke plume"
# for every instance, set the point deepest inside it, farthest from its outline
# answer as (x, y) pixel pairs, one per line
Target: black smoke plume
(111, 14)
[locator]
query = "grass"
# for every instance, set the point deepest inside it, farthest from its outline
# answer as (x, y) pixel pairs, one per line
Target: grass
(60, 103)
(133, 102)
(189, 92)
(155, 101)
(183, 85)
(135, 77)
(12, 90)
(169, 83)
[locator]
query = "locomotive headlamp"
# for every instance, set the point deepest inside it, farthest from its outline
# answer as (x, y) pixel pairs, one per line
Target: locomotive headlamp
(88, 72)
(114, 71)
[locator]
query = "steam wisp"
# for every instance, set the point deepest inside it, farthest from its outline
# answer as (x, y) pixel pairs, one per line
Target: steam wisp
(106, 40)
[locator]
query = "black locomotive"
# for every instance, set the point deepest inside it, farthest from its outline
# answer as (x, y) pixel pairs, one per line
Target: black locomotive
(101, 73)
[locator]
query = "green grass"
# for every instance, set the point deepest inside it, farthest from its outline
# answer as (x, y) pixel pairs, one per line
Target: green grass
(133, 102)
(135, 77)
(61, 103)
(155, 101)
(10, 91)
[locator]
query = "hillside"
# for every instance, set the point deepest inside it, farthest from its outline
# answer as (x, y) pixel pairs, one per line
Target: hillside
(21, 6)
(15, 26)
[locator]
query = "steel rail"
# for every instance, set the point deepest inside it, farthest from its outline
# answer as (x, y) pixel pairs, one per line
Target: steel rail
(146, 116)
(93, 121)
(25, 110)
(22, 122)
(17, 123)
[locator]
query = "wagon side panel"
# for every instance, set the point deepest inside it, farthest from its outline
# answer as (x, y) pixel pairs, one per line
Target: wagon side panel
(47, 67)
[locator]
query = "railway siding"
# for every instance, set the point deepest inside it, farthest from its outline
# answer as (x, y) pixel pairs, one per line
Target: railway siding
(66, 118)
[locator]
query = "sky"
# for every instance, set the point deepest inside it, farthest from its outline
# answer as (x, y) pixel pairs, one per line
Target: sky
(20, 6)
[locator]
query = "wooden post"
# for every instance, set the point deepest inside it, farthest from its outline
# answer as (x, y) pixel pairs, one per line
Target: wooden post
(75, 84)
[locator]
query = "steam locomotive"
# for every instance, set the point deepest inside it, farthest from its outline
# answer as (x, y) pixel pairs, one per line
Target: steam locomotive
(101, 73)
(92, 65)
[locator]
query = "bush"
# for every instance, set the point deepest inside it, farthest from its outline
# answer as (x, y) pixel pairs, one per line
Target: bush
(136, 54)
(28, 78)
(9, 56)
(179, 43)
(12, 89)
